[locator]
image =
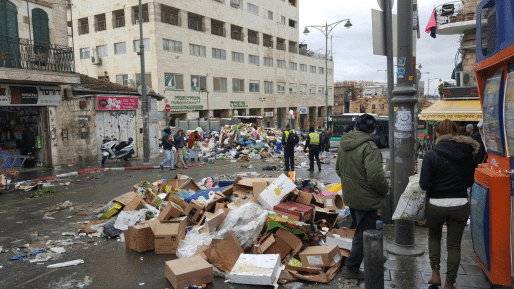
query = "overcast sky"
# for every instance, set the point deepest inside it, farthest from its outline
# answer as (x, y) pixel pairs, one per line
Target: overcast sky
(353, 48)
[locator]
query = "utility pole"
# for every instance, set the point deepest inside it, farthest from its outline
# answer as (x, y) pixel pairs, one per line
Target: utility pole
(404, 102)
(144, 96)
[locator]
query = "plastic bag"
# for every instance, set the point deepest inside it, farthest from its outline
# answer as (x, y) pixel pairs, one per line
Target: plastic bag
(192, 242)
(411, 205)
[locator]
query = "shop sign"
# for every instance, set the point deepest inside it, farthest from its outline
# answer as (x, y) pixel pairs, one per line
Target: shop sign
(187, 107)
(185, 100)
(304, 110)
(460, 93)
(238, 104)
(29, 95)
(117, 103)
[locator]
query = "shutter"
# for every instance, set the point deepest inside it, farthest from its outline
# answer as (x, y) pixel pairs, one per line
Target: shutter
(9, 44)
(216, 84)
(40, 25)
(203, 83)
(179, 81)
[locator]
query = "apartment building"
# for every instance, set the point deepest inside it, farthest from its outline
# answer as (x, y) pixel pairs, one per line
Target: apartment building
(209, 58)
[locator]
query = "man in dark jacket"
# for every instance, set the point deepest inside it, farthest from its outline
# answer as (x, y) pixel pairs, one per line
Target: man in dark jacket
(313, 143)
(180, 145)
(479, 157)
(359, 165)
(289, 140)
(167, 146)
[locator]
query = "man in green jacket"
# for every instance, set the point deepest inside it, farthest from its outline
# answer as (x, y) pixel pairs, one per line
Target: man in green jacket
(359, 165)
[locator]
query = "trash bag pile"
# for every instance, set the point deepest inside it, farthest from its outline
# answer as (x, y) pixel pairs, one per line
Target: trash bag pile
(277, 230)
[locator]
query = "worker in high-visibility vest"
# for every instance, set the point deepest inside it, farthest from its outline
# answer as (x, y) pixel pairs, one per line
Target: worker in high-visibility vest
(313, 143)
(289, 140)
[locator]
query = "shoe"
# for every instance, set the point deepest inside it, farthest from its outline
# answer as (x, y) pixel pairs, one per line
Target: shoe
(185, 168)
(319, 168)
(436, 278)
(310, 170)
(173, 169)
(449, 285)
(286, 170)
(349, 275)
(162, 168)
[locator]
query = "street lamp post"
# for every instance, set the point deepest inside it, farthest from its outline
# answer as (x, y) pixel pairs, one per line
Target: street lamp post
(326, 30)
(430, 80)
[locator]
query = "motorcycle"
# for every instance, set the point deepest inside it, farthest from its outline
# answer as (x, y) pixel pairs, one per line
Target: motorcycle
(111, 150)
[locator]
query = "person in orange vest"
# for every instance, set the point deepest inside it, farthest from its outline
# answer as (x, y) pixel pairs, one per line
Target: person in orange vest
(313, 143)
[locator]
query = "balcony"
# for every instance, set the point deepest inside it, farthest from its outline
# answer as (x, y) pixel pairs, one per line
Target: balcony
(455, 18)
(169, 18)
(135, 17)
(119, 22)
(83, 29)
(25, 54)
(100, 26)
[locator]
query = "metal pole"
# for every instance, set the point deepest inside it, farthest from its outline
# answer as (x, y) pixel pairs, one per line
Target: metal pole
(326, 70)
(404, 101)
(145, 99)
(373, 259)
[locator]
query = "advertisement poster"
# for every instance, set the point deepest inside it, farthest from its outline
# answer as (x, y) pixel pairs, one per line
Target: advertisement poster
(117, 103)
(29, 95)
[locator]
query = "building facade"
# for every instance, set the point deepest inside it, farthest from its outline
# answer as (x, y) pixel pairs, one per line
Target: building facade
(35, 63)
(209, 58)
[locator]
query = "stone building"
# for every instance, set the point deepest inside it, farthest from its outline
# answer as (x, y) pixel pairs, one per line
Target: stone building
(377, 105)
(35, 63)
(344, 93)
(209, 58)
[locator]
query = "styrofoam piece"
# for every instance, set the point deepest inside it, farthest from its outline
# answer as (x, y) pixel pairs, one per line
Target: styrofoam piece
(276, 192)
(256, 269)
(66, 264)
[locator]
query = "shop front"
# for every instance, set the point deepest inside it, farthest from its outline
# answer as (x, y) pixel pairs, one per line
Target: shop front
(25, 112)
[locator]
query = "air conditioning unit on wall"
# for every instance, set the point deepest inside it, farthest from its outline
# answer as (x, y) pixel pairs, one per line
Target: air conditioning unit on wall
(95, 60)
(466, 78)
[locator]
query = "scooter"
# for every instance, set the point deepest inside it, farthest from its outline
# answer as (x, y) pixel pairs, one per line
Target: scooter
(111, 150)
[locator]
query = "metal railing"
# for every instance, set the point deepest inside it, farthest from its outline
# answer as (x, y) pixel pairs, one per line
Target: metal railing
(25, 54)
(195, 25)
(135, 17)
(83, 29)
(254, 39)
(170, 18)
(100, 25)
(119, 22)
(218, 30)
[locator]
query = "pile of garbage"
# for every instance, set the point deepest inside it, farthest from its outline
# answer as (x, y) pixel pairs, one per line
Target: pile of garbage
(250, 230)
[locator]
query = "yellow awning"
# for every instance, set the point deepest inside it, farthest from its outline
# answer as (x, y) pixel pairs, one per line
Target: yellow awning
(455, 110)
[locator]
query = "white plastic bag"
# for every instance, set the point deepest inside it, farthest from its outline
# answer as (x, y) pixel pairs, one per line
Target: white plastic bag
(411, 206)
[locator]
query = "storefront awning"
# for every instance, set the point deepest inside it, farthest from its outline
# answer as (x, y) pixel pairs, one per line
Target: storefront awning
(455, 110)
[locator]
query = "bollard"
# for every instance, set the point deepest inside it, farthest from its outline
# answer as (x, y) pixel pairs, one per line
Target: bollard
(373, 259)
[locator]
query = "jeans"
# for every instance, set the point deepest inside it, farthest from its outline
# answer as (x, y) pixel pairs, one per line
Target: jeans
(289, 158)
(363, 220)
(314, 153)
(169, 158)
(456, 219)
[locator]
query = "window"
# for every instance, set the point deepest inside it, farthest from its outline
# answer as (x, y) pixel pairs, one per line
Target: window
(281, 64)
(321, 70)
(120, 48)
(146, 43)
(312, 68)
(292, 23)
(172, 45)
(219, 53)
(83, 26)
(122, 79)
(220, 84)
(197, 50)
(382, 106)
(85, 53)
(267, 40)
(312, 90)
(293, 66)
(282, 20)
(40, 25)
(144, 14)
(270, 15)
(293, 47)
(321, 90)
(268, 62)
(281, 88)
(118, 18)
(238, 57)
(253, 59)
(173, 81)
(198, 83)
(170, 15)
(254, 86)
(268, 87)
(330, 71)
(236, 4)
(236, 32)
(292, 88)
(101, 50)
(281, 44)
(238, 85)
(195, 22)
(373, 106)
(303, 67)
(253, 9)
(100, 22)
(303, 89)
(253, 37)
(217, 28)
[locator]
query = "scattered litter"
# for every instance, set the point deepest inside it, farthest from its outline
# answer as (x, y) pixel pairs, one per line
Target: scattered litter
(66, 264)
(18, 257)
(59, 250)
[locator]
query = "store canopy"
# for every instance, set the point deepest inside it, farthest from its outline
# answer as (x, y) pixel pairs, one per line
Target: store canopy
(455, 110)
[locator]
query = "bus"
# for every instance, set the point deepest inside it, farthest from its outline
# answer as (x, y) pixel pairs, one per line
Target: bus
(341, 124)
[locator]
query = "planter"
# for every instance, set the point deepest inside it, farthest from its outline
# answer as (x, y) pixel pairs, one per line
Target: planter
(470, 16)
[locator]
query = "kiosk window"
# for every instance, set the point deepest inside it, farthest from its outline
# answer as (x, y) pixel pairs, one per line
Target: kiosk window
(509, 111)
(492, 126)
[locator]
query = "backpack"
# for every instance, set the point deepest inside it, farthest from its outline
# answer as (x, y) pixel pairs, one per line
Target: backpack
(292, 138)
(323, 139)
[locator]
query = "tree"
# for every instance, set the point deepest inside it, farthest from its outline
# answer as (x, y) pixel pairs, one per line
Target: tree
(444, 85)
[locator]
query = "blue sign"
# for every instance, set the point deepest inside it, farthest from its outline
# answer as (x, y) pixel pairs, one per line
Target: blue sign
(303, 110)
(401, 72)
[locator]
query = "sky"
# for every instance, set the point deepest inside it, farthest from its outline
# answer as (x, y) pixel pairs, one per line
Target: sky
(353, 48)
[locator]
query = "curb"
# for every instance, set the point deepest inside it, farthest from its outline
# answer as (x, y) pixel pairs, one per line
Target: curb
(91, 170)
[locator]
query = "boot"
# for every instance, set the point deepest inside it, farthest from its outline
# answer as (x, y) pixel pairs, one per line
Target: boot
(449, 285)
(436, 278)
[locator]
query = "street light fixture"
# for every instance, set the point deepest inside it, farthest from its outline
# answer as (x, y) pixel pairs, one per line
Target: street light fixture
(326, 30)
(430, 80)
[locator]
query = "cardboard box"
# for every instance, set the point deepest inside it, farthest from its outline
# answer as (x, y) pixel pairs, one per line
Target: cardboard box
(177, 200)
(186, 272)
(343, 238)
(136, 203)
(325, 218)
(333, 202)
(153, 223)
(320, 256)
(139, 238)
(214, 221)
(305, 198)
(282, 242)
(294, 211)
(224, 253)
(168, 235)
(256, 269)
(170, 211)
(194, 212)
(125, 199)
(258, 188)
(276, 192)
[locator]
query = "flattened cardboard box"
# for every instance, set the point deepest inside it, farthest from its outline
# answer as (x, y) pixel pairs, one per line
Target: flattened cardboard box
(186, 272)
(320, 256)
(343, 238)
(168, 235)
(139, 238)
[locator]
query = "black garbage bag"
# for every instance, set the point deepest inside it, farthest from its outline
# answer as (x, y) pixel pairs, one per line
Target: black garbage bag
(110, 231)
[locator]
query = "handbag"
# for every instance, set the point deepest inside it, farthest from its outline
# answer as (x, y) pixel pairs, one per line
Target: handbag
(411, 205)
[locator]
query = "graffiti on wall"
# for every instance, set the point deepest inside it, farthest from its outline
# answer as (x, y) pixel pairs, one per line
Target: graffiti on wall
(118, 124)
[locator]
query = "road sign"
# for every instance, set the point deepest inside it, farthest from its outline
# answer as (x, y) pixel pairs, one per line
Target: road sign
(167, 108)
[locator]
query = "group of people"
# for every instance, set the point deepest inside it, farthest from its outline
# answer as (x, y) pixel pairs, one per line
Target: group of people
(446, 174)
(180, 143)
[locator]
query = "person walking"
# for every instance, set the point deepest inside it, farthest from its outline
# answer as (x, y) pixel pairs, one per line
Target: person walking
(359, 165)
(289, 140)
(167, 146)
(446, 174)
(180, 145)
(323, 141)
(328, 135)
(192, 145)
(313, 143)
